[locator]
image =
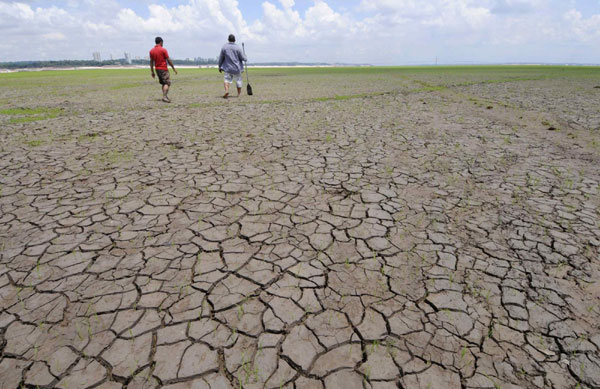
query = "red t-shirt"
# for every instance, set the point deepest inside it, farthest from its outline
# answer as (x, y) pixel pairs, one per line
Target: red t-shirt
(159, 55)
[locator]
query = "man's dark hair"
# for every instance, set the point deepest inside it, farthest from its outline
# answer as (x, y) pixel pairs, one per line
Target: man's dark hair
(158, 40)
(231, 38)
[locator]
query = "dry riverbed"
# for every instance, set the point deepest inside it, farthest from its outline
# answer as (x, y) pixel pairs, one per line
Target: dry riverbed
(342, 228)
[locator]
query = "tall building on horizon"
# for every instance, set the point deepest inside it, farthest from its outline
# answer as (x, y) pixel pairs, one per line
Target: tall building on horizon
(128, 58)
(97, 56)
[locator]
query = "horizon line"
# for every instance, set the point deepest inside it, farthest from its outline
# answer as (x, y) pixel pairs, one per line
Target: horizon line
(299, 64)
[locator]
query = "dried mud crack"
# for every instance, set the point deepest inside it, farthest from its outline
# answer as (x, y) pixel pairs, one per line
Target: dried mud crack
(409, 236)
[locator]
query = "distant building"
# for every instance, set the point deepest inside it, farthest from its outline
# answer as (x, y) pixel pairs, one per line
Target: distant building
(97, 56)
(111, 57)
(128, 58)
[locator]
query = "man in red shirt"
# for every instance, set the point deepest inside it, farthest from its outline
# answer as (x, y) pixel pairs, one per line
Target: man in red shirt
(159, 56)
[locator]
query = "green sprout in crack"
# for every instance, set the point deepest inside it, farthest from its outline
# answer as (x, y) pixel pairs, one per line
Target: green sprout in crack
(556, 171)
(541, 340)
(374, 346)
(240, 311)
(133, 369)
(451, 276)
(78, 330)
(391, 350)
(319, 258)
(259, 350)
(367, 373)
(591, 308)
(463, 352)
(382, 270)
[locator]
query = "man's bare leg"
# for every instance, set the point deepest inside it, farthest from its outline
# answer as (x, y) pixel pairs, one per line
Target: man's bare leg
(226, 90)
(239, 91)
(165, 90)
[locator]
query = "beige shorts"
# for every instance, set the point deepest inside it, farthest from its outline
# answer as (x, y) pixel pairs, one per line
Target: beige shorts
(229, 79)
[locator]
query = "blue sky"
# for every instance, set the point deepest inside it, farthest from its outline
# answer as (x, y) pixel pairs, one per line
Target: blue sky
(382, 32)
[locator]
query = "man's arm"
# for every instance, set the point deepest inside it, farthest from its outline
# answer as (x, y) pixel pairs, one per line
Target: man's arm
(172, 66)
(221, 60)
(242, 56)
(152, 68)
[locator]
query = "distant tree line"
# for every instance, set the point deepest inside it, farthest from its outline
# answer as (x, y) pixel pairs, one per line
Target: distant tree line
(191, 62)
(122, 62)
(291, 64)
(82, 63)
(59, 64)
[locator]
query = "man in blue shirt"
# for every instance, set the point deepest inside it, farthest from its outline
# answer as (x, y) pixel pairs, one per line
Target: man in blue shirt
(231, 62)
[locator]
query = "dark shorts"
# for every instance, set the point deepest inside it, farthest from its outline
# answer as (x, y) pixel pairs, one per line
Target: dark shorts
(163, 77)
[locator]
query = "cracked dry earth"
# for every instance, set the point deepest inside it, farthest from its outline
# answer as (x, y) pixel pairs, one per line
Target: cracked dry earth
(398, 236)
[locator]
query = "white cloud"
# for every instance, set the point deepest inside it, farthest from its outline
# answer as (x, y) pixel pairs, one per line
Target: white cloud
(516, 6)
(322, 18)
(459, 14)
(440, 13)
(376, 31)
(287, 3)
(54, 36)
(584, 29)
(160, 19)
(286, 20)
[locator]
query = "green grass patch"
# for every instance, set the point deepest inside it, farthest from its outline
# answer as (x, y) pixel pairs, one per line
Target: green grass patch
(125, 86)
(34, 142)
(114, 157)
(348, 97)
(88, 137)
(26, 119)
(427, 87)
(23, 111)
(501, 81)
(208, 105)
(25, 115)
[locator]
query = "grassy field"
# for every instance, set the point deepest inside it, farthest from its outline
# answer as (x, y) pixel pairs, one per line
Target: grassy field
(416, 227)
(121, 89)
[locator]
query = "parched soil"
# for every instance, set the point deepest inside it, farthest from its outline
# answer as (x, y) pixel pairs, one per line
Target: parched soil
(342, 228)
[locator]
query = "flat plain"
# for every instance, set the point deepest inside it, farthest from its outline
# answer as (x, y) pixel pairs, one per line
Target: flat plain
(347, 228)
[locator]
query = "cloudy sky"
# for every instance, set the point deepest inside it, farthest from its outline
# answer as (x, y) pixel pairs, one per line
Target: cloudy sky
(380, 32)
